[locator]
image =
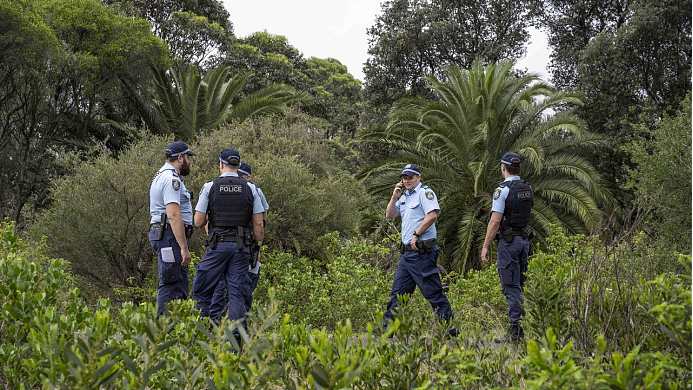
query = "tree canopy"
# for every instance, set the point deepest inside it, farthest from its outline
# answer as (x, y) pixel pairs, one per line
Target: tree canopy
(415, 38)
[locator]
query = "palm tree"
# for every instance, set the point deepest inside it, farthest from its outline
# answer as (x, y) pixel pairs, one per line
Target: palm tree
(458, 141)
(184, 103)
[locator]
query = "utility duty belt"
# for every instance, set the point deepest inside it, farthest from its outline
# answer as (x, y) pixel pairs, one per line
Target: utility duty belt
(165, 226)
(242, 236)
(422, 246)
(510, 233)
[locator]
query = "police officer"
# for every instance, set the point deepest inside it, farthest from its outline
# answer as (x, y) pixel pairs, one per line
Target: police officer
(512, 206)
(171, 221)
(232, 208)
(418, 206)
(220, 298)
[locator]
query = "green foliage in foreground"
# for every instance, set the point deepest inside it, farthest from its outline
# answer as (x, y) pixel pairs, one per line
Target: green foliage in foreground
(49, 338)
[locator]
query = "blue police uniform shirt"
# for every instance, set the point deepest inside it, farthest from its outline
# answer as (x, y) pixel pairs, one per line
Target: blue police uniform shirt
(413, 207)
(265, 205)
(168, 187)
(203, 202)
(500, 195)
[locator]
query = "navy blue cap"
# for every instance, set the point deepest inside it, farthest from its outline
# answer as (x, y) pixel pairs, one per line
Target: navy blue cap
(177, 148)
(411, 170)
(244, 169)
(230, 156)
(512, 159)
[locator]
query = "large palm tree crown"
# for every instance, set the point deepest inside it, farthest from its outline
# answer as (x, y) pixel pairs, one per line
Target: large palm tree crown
(184, 103)
(458, 141)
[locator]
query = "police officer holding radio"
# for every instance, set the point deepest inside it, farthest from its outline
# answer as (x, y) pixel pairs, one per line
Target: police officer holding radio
(512, 206)
(170, 207)
(418, 206)
(233, 209)
(220, 298)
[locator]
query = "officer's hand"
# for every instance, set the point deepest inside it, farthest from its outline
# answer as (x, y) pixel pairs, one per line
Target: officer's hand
(484, 255)
(185, 253)
(398, 189)
(414, 239)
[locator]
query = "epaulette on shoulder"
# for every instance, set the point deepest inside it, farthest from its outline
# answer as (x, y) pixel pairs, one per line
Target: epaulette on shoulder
(209, 181)
(425, 187)
(502, 185)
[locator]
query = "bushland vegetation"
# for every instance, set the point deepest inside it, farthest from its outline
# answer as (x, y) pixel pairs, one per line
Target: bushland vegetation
(91, 93)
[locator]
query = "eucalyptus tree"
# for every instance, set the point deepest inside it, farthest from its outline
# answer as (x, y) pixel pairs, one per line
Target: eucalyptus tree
(184, 103)
(459, 138)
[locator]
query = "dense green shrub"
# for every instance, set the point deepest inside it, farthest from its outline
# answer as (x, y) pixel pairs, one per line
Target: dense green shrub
(99, 216)
(581, 290)
(661, 180)
(50, 339)
(478, 300)
(323, 292)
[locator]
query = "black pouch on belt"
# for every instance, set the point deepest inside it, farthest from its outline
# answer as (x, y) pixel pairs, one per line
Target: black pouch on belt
(428, 246)
(508, 235)
(420, 246)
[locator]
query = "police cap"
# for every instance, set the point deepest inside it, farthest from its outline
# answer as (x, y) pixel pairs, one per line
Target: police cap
(230, 156)
(177, 148)
(411, 170)
(244, 169)
(512, 159)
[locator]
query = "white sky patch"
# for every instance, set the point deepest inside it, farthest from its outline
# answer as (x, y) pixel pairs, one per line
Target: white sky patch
(337, 29)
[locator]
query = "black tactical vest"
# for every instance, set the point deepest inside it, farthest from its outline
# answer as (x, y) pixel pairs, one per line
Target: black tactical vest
(230, 203)
(518, 205)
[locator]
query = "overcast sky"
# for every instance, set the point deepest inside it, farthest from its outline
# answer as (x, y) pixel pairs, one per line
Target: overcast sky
(337, 28)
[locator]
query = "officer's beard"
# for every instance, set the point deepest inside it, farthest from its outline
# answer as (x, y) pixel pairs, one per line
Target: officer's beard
(185, 169)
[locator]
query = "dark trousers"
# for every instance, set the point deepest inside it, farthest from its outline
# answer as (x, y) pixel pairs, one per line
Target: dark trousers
(225, 263)
(220, 298)
(512, 265)
(420, 270)
(173, 277)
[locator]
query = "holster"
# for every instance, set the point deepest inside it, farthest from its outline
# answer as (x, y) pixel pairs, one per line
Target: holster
(164, 225)
(211, 241)
(249, 239)
(254, 254)
(240, 238)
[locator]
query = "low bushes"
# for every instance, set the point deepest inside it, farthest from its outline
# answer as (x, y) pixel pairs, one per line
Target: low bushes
(50, 339)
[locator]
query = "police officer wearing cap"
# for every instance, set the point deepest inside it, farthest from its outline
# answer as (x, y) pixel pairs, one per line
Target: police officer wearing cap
(170, 206)
(418, 206)
(232, 209)
(512, 206)
(220, 298)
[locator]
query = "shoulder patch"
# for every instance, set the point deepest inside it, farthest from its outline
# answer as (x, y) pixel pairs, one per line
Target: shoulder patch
(430, 195)
(496, 193)
(176, 184)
